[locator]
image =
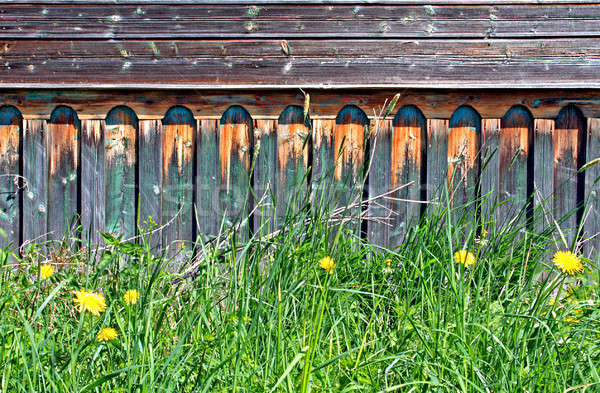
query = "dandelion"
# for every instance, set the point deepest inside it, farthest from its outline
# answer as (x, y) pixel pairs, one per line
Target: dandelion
(131, 296)
(464, 257)
(107, 334)
(328, 264)
(571, 320)
(46, 271)
(388, 262)
(484, 233)
(567, 262)
(90, 301)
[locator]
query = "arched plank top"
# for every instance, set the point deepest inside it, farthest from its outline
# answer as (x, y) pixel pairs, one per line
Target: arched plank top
(177, 115)
(409, 116)
(121, 115)
(294, 114)
(10, 116)
(466, 116)
(236, 114)
(570, 117)
(351, 114)
(64, 115)
(517, 116)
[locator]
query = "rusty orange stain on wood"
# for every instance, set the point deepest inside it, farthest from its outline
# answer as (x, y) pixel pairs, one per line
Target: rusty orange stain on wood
(407, 141)
(177, 139)
(463, 146)
(515, 137)
(9, 143)
(290, 138)
(323, 132)
(567, 136)
(62, 142)
(348, 147)
(120, 141)
(233, 138)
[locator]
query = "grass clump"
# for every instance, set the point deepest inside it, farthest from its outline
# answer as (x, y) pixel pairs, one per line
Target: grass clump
(312, 308)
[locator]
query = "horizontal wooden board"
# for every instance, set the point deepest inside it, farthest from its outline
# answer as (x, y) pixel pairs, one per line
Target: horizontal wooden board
(126, 21)
(542, 63)
(324, 104)
(296, 2)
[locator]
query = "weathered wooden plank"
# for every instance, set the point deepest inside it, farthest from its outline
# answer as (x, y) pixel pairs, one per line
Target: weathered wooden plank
(120, 141)
(569, 155)
(464, 155)
(514, 185)
(312, 63)
(63, 168)
(235, 149)
(265, 182)
(270, 2)
(92, 180)
(543, 172)
(592, 189)
(349, 148)
(323, 162)
(293, 146)
(35, 172)
(325, 104)
(437, 159)
(379, 211)
(150, 178)
(490, 165)
(11, 125)
(178, 146)
(280, 20)
(407, 158)
(207, 211)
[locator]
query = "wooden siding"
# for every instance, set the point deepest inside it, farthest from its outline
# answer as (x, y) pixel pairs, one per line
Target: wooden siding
(188, 166)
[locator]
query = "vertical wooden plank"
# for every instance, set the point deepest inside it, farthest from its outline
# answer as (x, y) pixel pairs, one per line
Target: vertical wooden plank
(150, 177)
(11, 123)
(351, 125)
(437, 158)
(569, 155)
(323, 162)
(120, 155)
(207, 179)
(35, 172)
(408, 151)
(92, 179)
(293, 129)
(265, 174)
(177, 177)
(490, 165)
(63, 167)
(380, 224)
(235, 149)
(463, 155)
(515, 139)
(543, 172)
(592, 189)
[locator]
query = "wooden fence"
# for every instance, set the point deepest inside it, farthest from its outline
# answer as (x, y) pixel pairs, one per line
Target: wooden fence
(93, 157)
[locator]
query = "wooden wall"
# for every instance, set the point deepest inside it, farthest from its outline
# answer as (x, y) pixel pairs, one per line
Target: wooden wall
(174, 157)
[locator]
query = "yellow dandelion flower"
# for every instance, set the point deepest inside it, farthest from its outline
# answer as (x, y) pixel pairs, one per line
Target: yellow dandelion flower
(571, 320)
(551, 301)
(484, 233)
(131, 296)
(328, 264)
(46, 271)
(388, 262)
(567, 262)
(90, 301)
(464, 257)
(107, 334)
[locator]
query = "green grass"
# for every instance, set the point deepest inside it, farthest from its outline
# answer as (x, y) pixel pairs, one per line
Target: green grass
(262, 316)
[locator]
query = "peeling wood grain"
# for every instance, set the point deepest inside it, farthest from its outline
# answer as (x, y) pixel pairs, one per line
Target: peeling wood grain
(120, 144)
(35, 171)
(93, 208)
(150, 178)
(323, 162)
(408, 153)
(208, 219)
(63, 168)
(464, 155)
(265, 176)
(592, 189)
(516, 139)
(178, 146)
(11, 123)
(490, 166)
(380, 182)
(437, 159)
(543, 173)
(235, 149)
(569, 155)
